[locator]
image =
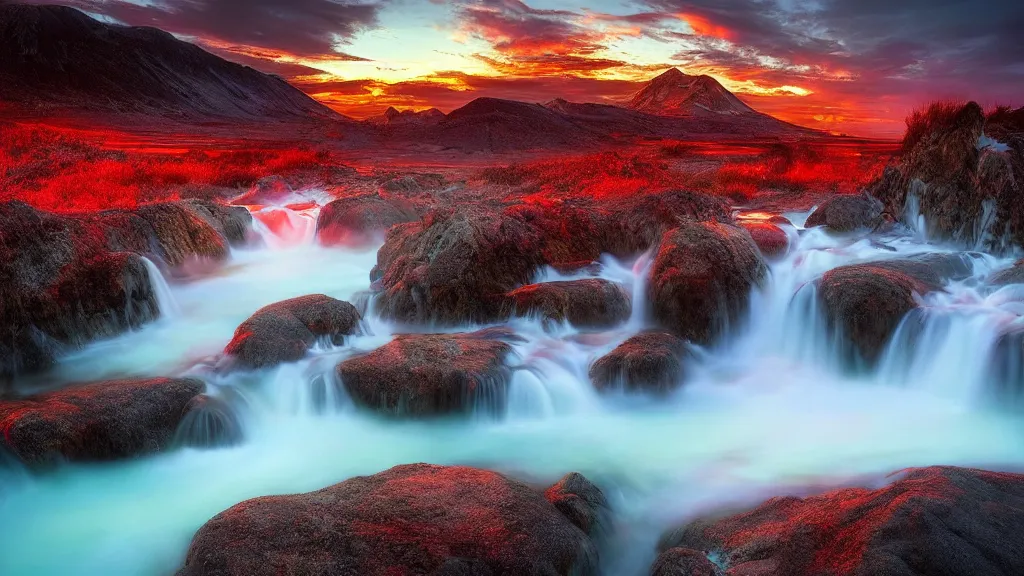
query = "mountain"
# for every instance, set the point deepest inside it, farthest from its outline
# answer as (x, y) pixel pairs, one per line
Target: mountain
(57, 58)
(676, 94)
(393, 117)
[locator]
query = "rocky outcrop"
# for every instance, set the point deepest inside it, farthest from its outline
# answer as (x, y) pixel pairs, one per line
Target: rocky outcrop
(456, 265)
(940, 520)
(967, 187)
(360, 220)
(1011, 275)
(846, 213)
(98, 421)
(684, 562)
(70, 279)
(284, 331)
(588, 303)
(418, 375)
(648, 362)
(701, 279)
(412, 519)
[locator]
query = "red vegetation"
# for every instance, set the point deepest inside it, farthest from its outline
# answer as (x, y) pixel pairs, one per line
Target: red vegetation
(55, 170)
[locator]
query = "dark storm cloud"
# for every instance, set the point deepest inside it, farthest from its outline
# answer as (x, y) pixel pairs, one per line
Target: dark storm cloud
(297, 27)
(900, 39)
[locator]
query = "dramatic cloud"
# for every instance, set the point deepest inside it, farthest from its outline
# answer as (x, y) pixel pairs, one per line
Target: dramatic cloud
(856, 66)
(296, 27)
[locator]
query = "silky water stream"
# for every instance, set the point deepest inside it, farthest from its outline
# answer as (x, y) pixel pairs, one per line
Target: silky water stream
(768, 412)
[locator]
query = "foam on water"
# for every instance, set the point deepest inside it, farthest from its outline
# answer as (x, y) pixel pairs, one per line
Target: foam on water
(767, 412)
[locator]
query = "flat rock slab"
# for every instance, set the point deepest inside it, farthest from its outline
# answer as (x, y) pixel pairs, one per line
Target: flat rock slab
(98, 421)
(411, 519)
(431, 374)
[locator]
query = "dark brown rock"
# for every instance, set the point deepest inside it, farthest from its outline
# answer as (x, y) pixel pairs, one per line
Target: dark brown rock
(587, 303)
(684, 562)
(579, 500)
(284, 331)
(99, 421)
(864, 305)
(846, 213)
(431, 374)
(412, 519)
(232, 222)
(360, 220)
(772, 241)
(940, 520)
(648, 362)
(701, 279)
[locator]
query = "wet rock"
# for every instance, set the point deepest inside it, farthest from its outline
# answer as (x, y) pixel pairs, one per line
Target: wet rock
(579, 500)
(939, 520)
(284, 331)
(1011, 275)
(360, 220)
(772, 241)
(846, 213)
(588, 303)
(701, 279)
(98, 421)
(648, 362)
(864, 304)
(181, 235)
(431, 374)
(684, 562)
(70, 279)
(232, 222)
(967, 192)
(411, 519)
(933, 269)
(455, 266)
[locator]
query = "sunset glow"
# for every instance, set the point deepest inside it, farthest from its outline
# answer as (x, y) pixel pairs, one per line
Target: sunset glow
(810, 63)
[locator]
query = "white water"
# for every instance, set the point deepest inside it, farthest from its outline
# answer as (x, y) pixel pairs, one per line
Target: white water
(768, 412)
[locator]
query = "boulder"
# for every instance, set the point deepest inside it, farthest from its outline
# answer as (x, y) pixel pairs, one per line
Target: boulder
(98, 421)
(232, 222)
(846, 213)
(284, 331)
(360, 220)
(456, 266)
(269, 190)
(431, 374)
(701, 279)
(648, 362)
(411, 519)
(581, 501)
(772, 241)
(684, 562)
(1011, 275)
(209, 422)
(864, 304)
(70, 279)
(939, 520)
(587, 303)
(933, 269)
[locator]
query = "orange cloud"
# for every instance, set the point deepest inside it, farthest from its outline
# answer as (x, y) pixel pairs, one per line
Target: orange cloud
(704, 27)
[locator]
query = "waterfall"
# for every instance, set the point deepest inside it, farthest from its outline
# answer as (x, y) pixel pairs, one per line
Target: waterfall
(165, 300)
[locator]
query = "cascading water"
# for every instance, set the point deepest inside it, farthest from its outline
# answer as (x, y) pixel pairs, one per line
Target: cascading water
(766, 412)
(165, 301)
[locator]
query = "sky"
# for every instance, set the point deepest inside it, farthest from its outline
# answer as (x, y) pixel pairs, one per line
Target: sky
(846, 66)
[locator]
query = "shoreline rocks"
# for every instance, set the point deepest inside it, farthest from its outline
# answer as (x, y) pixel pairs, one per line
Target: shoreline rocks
(938, 520)
(847, 213)
(284, 331)
(360, 220)
(417, 518)
(98, 421)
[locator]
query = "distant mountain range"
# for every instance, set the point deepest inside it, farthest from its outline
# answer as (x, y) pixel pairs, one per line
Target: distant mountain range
(57, 60)
(55, 57)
